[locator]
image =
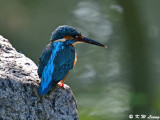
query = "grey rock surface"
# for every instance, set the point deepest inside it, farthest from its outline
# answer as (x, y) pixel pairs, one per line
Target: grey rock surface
(19, 99)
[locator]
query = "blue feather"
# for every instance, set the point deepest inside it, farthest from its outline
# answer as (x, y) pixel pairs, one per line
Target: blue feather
(44, 59)
(62, 31)
(55, 62)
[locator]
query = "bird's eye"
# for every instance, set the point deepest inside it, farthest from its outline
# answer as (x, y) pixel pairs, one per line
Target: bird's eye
(76, 36)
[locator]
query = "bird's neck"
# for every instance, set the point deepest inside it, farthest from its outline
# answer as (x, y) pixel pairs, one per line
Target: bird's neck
(69, 42)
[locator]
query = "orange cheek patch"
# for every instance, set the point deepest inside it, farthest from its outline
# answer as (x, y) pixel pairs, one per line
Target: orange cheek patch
(68, 37)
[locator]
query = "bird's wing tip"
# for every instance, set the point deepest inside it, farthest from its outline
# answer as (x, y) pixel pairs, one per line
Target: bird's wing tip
(42, 92)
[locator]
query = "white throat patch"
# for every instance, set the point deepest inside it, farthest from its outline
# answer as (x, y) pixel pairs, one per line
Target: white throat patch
(60, 40)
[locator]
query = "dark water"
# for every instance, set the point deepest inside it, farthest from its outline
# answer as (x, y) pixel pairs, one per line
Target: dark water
(101, 78)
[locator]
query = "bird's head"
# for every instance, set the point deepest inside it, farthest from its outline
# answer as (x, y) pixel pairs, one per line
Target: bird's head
(67, 33)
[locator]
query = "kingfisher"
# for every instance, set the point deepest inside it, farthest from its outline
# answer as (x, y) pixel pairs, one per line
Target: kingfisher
(59, 57)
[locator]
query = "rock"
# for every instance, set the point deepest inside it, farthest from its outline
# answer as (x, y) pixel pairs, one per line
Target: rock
(19, 98)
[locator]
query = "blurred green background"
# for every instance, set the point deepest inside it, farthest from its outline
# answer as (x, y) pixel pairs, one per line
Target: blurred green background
(109, 84)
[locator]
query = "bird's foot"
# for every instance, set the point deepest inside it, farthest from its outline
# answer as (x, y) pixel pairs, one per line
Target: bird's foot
(60, 84)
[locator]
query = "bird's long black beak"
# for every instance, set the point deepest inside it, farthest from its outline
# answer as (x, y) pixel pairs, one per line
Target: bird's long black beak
(90, 41)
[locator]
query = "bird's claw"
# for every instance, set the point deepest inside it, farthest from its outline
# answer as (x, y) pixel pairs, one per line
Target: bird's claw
(60, 84)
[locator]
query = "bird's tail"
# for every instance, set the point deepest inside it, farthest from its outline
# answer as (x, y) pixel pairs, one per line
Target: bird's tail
(43, 91)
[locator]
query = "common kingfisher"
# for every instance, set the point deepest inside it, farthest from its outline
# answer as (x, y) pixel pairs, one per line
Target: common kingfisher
(59, 57)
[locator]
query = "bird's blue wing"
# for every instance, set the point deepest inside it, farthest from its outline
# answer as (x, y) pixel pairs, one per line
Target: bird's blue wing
(43, 60)
(64, 62)
(60, 62)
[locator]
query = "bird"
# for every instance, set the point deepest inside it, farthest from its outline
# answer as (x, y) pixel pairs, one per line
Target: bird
(59, 57)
